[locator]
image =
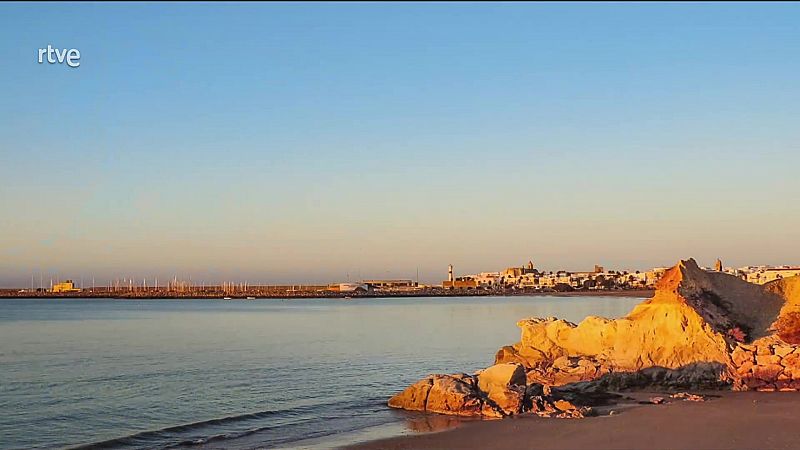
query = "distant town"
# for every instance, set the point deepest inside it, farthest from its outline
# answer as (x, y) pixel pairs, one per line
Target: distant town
(522, 280)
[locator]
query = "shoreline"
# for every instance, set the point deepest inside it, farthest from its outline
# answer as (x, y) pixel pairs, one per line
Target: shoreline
(727, 419)
(165, 295)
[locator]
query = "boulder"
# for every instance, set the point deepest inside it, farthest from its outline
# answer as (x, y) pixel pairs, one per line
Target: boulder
(508, 400)
(504, 375)
(504, 385)
(444, 394)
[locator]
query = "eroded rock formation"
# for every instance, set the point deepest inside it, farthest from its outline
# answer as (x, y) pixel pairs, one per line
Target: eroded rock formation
(498, 391)
(700, 329)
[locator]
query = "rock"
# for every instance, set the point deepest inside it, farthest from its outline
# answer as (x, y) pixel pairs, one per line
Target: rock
(768, 360)
(656, 400)
(541, 405)
(461, 394)
(536, 390)
(508, 354)
(748, 383)
(509, 400)
(539, 376)
(444, 394)
(564, 405)
(561, 362)
(788, 327)
(740, 356)
(763, 350)
(506, 374)
(744, 369)
(546, 407)
(768, 373)
(791, 360)
(504, 385)
(786, 384)
(791, 366)
(454, 395)
(573, 414)
(501, 396)
(689, 397)
(586, 393)
(414, 397)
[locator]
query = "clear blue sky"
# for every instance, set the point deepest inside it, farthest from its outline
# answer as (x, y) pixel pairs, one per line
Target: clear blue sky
(312, 142)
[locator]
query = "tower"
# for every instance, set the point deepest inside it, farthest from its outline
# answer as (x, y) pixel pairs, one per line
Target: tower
(450, 273)
(718, 265)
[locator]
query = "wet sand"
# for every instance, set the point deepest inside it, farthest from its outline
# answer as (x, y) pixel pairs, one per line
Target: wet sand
(735, 420)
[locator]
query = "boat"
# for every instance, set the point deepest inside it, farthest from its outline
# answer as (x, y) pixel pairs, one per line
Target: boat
(251, 298)
(227, 298)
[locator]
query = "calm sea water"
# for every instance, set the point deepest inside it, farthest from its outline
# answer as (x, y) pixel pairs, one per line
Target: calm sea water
(241, 374)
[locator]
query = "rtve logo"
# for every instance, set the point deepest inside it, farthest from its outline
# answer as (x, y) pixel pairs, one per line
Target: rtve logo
(55, 56)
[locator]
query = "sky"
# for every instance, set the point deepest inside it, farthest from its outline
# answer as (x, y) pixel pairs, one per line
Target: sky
(315, 143)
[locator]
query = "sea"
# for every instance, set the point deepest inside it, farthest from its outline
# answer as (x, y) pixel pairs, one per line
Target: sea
(243, 374)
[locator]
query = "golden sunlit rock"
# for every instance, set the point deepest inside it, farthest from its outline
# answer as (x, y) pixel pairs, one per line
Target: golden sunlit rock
(700, 329)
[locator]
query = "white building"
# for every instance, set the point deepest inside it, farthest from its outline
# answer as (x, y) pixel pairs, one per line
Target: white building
(766, 274)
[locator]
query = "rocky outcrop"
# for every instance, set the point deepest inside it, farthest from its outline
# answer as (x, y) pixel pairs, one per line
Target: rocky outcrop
(768, 364)
(445, 394)
(498, 391)
(700, 329)
(684, 336)
(772, 363)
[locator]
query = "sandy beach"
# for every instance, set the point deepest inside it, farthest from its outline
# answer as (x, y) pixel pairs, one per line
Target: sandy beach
(734, 420)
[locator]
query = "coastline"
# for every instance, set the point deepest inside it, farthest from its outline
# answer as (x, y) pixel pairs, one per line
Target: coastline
(729, 420)
(167, 295)
(311, 387)
(702, 330)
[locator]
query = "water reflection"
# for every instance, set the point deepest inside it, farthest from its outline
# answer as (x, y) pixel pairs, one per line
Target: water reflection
(420, 422)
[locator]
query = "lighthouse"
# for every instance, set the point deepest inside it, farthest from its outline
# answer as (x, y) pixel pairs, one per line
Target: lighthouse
(450, 273)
